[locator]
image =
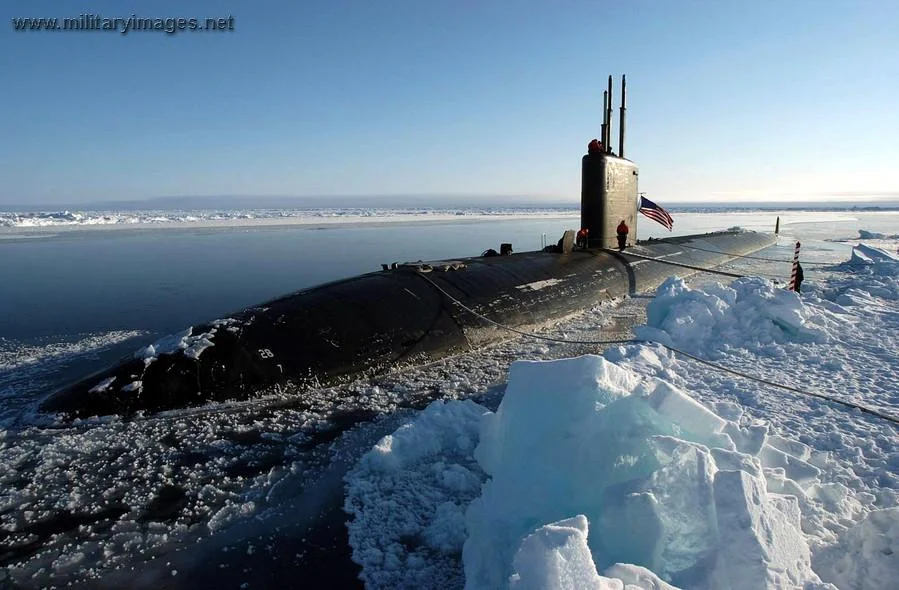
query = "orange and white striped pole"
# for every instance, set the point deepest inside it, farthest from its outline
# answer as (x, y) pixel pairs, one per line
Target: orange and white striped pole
(795, 266)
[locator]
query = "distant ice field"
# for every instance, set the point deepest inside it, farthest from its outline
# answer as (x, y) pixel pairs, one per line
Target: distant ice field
(17, 226)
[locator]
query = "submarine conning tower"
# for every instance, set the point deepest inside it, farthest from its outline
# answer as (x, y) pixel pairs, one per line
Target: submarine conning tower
(609, 183)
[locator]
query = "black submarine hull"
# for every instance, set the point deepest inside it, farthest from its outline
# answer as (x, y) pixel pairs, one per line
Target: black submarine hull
(344, 330)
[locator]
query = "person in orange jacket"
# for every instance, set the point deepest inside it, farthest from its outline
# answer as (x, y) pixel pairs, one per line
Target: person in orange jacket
(622, 235)
(581, 240)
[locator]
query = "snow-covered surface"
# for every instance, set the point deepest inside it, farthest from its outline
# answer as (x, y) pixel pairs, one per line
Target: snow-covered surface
(249, 217)
(747, 314)
(192, 344)
(227, 494)
(656, 474)
(864, 254)
(653, 471)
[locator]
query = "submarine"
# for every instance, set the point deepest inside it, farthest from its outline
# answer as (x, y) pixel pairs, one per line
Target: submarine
(409, 313)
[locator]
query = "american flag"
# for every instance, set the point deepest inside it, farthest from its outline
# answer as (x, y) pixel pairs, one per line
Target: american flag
(656, 213)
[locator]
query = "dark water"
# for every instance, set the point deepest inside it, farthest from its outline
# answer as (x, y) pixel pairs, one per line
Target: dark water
(163, 280)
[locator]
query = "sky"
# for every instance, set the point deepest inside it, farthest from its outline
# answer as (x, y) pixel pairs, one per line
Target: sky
(727, 100)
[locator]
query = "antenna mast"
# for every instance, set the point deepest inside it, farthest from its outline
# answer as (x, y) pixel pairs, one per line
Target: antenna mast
(608, 139)
(621, 119)
(605, 121)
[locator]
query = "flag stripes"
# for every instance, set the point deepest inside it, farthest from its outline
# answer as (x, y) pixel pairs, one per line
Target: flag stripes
(656, 213)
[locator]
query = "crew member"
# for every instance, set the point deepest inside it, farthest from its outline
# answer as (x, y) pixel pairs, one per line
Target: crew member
(799, 276)
(582, 237)
(594, 147)
(622, 232)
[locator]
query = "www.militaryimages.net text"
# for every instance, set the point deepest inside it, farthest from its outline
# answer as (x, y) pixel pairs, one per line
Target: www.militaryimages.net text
(124, 25)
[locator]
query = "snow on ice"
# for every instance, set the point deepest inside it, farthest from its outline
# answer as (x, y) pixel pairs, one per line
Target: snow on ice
(260, 217)
(192, 344)
(576, 441)
(747, 314)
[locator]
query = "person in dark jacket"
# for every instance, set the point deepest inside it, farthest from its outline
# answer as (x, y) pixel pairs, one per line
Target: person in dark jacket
(799, 276)
(622, 232)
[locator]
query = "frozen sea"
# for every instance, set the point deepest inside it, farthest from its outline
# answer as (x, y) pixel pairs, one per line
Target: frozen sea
(250, 495)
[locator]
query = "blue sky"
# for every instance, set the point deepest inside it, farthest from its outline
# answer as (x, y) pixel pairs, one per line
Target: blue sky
(728, 100)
